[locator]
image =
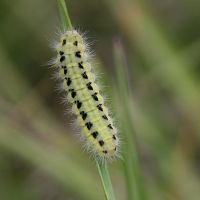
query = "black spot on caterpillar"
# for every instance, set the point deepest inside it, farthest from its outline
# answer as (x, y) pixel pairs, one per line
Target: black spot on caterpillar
(78, 54)
(76, 43)
(69, 81)
(95, 134)
(74, 69)
(80, 64)
(64, 42)
(84, 115)
(89, 86)
(78, 103)
(89, 125)
(61, 53)
(84, 75)
(95, 96)
(101, 143)
(62, 58)
(73, 94)
(110, 126)
(65, 69)
(105, 151)
(105, 117)
(100, 107)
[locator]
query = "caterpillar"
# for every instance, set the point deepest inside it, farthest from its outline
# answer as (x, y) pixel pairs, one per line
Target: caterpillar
(74, 70)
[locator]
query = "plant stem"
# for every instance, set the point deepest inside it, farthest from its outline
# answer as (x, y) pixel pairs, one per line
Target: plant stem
(105, 178)
(102, 167)
(64, 16)
(131, 164)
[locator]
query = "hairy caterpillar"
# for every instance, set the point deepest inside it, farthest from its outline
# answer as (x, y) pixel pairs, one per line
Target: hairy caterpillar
(78, 83)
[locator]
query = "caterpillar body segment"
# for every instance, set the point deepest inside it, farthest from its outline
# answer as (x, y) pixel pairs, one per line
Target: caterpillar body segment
(78, 83)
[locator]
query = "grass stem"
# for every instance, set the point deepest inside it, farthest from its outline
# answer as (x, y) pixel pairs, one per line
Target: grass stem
(105, 178)
(64, 16)
(102, 167)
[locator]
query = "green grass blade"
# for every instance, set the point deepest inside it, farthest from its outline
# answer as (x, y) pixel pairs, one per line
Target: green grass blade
(105, 178)
(134, 181)
(54, 162)
(102, 168)
(64, 16)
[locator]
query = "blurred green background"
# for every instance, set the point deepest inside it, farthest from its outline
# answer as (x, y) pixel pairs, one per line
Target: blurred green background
(149, 57)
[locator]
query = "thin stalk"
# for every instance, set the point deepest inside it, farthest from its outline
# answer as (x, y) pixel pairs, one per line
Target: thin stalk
(102, 167)
(64, 16)
(105, 178)
(131, 164)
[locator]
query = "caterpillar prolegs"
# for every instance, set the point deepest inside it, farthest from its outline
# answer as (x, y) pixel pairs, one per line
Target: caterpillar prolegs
(78, 83)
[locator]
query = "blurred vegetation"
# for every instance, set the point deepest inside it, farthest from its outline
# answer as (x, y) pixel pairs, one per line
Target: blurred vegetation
(148, 52)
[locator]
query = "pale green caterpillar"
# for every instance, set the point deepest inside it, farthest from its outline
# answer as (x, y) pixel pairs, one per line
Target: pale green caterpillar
(78, 83)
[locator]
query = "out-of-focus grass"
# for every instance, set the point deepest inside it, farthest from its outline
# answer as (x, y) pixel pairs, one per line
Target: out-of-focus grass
(172, 69)
(166, 65)
(53, 153)
(128, 149)
(159, 110)
(52, 161)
